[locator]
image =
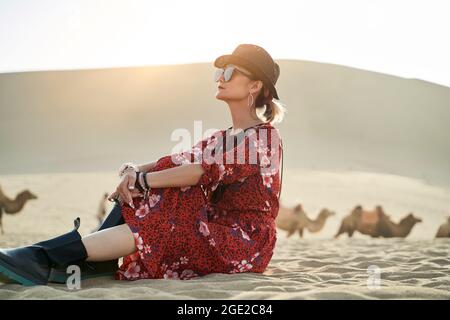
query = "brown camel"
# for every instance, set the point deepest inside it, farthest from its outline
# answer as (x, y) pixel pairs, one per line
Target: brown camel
(376, 223)
(444, 230)
(101, 211)
(10, 206)
(287, 218)
(295, 219)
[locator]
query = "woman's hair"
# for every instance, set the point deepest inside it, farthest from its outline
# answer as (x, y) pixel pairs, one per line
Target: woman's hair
(269, 108)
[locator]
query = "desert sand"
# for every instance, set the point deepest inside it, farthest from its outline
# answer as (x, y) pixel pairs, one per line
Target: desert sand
(316, 267)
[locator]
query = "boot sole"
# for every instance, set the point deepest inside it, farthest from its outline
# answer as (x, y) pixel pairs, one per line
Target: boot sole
(13, 274)
(9, 273)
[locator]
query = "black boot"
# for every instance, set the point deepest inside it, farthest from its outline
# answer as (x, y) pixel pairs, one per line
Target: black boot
(91, 269)
(31, 265)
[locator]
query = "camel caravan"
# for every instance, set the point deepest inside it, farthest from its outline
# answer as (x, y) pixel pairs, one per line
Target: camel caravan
(374, 223)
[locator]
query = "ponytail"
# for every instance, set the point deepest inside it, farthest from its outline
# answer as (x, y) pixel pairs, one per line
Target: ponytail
(268, 108)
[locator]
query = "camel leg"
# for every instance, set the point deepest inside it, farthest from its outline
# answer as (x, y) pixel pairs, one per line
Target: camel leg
(300, 232)
(350, 233)
(290, 233)
(342, 230)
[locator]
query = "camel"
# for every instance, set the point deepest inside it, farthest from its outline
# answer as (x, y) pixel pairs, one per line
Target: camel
(10, 206)
(444, 230)
(101, 211)
(287, 218)
(295, 219)
(376, 224)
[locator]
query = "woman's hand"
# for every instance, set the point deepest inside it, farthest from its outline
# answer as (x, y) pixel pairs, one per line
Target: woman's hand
(125, 191)
(134, 194)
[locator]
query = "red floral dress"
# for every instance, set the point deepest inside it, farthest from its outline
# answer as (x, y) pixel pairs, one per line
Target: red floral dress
(223, 224)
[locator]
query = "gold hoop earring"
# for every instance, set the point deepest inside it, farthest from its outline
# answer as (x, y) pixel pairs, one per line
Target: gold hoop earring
(250, 104)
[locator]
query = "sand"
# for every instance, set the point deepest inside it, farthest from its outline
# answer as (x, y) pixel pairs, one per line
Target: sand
(316, 267)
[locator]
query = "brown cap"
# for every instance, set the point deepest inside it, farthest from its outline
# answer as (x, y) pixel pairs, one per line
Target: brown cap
(257, 60)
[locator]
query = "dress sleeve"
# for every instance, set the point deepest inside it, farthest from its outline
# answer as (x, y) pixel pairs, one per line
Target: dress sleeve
(228, 159)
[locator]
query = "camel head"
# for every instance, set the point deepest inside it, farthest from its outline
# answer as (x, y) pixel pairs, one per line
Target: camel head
(26, 195)
(326, 213)
(411, 219)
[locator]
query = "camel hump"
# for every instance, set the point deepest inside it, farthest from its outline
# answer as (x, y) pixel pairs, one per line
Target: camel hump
(369, 217)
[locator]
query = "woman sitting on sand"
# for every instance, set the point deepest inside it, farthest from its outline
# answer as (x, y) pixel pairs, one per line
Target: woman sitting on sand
(211, 209)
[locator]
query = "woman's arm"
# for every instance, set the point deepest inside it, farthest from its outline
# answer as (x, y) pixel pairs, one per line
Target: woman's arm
(146, 167)
(181, 176)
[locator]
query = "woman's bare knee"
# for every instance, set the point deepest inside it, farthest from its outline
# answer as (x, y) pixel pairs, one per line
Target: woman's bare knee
(111, 243)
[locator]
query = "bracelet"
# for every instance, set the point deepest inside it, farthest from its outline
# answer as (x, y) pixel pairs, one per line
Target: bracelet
(143, 186)
(146, 186)
(127, 167)
(147, 192)
(137, 183)
(145, 181)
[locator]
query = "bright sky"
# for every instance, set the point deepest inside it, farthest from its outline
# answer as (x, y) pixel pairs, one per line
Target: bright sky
(408, 38)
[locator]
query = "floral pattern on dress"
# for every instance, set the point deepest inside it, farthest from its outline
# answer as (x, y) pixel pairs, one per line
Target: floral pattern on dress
(223, 224)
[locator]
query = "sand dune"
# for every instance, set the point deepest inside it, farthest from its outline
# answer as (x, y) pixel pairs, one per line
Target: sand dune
(339, 118)
(316, 267)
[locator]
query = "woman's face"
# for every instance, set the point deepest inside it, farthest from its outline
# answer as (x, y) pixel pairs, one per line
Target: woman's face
(237, 88)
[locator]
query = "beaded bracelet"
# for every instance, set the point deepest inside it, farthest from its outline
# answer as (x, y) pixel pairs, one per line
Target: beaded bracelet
(127, 167)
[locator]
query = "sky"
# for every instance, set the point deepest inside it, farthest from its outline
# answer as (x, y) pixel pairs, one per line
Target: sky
(407, 38)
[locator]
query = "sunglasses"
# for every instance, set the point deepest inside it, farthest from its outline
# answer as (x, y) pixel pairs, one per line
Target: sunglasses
(228, 73)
